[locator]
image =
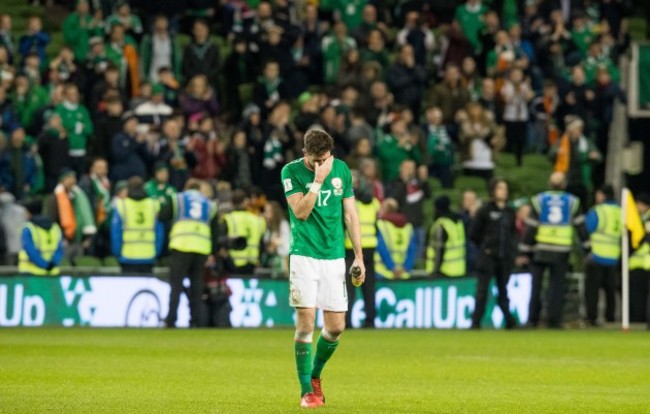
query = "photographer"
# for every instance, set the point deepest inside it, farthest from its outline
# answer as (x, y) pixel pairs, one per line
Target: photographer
(216, 296)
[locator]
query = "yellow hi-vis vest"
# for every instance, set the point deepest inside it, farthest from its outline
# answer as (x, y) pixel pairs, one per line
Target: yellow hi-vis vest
(138, 227)
(454, 259)
(251, 227)
(191, 232)
(46, 242)
(556, 236)
(640, 259)
(606, 240)
(397, 241)
(368, 223)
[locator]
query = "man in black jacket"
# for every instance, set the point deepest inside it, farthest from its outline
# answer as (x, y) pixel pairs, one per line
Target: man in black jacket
(54, 148)
(494, 232)
(109, 124)
(407, 79)
(201, 57)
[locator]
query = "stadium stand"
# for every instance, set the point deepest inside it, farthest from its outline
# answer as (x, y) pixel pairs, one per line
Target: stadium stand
(466, 89)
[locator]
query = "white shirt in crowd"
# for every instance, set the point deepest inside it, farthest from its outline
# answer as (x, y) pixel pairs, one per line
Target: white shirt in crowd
(161, 57)
(481, 156)
(516, 107)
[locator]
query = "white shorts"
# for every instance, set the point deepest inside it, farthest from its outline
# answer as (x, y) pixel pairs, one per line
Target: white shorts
(317, 283)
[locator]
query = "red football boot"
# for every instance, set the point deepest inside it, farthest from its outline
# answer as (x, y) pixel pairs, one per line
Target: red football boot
(310, 400)
(318, 391)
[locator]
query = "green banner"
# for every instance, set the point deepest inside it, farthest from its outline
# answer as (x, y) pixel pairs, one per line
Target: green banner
(36, 301)
(143, 302)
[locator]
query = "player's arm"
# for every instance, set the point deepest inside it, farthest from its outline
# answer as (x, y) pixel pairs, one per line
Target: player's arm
(354, 230)
(303, 204)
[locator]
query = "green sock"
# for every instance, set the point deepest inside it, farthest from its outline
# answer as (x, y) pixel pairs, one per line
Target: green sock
(303, 364)
(324, 351)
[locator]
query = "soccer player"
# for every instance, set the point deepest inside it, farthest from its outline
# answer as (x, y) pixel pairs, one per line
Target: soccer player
(318, 188)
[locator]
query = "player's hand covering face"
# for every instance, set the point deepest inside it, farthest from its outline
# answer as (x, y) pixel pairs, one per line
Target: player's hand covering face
(313, 160)
(321, 164)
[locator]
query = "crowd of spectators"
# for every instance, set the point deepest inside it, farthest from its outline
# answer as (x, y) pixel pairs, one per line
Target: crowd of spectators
(224, 91)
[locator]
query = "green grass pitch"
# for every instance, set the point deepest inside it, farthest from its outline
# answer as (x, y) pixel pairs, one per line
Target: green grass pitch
(252, 371)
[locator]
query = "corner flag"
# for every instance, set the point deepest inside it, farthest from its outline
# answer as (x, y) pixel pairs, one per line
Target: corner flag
(633, 221)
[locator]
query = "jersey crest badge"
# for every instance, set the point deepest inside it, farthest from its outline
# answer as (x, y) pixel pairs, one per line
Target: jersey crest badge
(337, 183)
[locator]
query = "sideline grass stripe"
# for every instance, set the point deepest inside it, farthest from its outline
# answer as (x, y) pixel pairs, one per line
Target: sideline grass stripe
(252, 371)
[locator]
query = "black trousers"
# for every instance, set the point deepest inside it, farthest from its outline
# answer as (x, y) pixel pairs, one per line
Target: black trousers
(487, 268)
(639, 295)
(556, 288)
(581, 192)
(137, 268)
(191, 265)
(367, 289)
(597, 277)
(516, 138)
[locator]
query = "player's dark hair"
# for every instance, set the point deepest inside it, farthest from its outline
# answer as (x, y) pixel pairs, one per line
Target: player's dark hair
(318, 142)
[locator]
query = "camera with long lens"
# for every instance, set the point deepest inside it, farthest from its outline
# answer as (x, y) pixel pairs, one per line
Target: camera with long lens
(232, 243)
(217, 293)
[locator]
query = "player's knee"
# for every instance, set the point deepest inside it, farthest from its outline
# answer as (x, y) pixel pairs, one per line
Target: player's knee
(332, 333)
(303, 336)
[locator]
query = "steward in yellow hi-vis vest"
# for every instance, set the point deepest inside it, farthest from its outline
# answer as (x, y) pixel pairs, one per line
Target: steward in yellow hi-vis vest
(243, 223)
(396, 243)
(42, 245)
(548, 240)
(368, 209)
(136, 233)
(604, 225)
(192, 239)
(446, 246)
(640, 267)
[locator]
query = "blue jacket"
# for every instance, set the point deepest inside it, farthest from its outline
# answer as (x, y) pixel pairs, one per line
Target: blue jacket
(384, 253)
(7, 178)
(128, 157)
(34, 43)
(30, 248)
(8, 117)
(116, 240)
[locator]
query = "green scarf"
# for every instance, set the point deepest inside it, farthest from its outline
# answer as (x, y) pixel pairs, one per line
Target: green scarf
(83, 214)
(270, 86)
(272, 152)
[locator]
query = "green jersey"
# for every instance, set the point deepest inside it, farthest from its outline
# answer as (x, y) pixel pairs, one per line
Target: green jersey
(163, 192)
(470, 19)
(322, 235)
(78, 125)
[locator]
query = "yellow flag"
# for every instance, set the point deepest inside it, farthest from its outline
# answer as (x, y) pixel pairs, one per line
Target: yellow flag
(633, 221)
